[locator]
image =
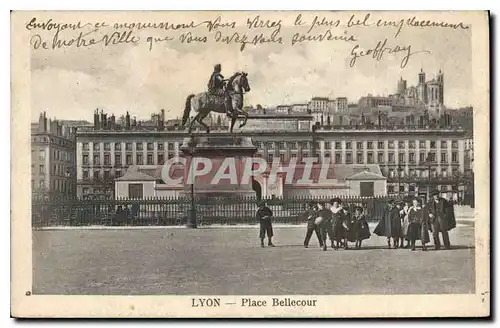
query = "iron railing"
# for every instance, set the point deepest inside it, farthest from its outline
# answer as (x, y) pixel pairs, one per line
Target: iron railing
(53, 212)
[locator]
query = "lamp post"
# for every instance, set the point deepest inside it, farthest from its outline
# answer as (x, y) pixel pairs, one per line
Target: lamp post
(459, 180)
(399, 179)
(428, 161)
(191, 220)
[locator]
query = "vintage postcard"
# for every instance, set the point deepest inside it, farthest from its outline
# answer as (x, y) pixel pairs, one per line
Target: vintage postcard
(250, 164)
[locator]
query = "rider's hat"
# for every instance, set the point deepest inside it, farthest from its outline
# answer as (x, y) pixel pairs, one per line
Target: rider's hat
(217, 66)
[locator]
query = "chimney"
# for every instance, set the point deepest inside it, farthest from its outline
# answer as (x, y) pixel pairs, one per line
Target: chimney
(102, 120)
(40, 123)
(96, 119)
(127, 121)
(49, 126)
(161, 122)
(45, 126)
(105, 122)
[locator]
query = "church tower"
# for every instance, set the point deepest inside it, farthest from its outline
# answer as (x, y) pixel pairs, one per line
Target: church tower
(421, 77)
(401, 86)
(440, 80)
(421, 89)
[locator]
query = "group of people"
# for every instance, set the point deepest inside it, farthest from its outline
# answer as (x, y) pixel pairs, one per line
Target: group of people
(412, 221)
(402, 220)
(332, 220)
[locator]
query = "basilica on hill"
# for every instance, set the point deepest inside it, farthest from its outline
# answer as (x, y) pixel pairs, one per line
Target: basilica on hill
(426, 94)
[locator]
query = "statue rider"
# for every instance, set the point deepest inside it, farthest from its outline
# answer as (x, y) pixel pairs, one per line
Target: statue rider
(216, 87)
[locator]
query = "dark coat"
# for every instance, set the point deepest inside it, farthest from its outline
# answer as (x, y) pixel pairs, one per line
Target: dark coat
(339, 221)
(444, 210)
(311, 215)
(263, 212)
(390, 224)
(327, 214)
(417, 225)
(359, 229)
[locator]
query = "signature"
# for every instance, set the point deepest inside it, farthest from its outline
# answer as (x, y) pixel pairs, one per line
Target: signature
(381, 49)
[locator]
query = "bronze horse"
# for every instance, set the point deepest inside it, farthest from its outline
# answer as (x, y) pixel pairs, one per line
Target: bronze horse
(203, 103)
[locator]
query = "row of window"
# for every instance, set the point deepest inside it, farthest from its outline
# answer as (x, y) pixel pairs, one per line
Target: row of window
(129, 159)
(59, 155)
(359, 144)
(128, 146)
(415, 173)
(56, 169)
(94, 191)
(281, 145)
(411, 188)
(55, 185)
(423, 157)
(56, 141)
(106, 174)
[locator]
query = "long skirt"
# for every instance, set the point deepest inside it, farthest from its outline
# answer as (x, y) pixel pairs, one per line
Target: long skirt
(405, 226)
(418, 231)
(338, 230)
(361, 230)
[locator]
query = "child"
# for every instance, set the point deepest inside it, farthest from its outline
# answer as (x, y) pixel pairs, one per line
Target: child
(312, 214)
(360, 225)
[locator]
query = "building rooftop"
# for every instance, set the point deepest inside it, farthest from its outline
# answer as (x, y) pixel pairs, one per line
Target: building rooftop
(366, 175)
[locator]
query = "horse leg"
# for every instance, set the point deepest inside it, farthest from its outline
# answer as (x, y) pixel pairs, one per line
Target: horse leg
(245, 115)
(200, 118)
(233, 120)
(192, 122)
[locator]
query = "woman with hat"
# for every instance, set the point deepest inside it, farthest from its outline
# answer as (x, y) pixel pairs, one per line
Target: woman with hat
(404, 218)
(390, 224)
(340, 223)
(417, 225)
(360, 227)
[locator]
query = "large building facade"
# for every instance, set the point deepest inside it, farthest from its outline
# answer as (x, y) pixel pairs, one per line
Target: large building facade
(412, 159)
(53, 160)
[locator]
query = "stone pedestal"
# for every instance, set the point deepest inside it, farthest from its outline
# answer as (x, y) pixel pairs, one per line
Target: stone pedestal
(217, 149)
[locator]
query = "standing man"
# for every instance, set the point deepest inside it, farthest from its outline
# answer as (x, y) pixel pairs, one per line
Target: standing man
(441, 218)
(264, 215)
(325, 224)
(216, 87)
(311, 215)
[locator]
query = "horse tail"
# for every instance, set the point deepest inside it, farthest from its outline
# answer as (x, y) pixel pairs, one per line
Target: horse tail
(187, 109)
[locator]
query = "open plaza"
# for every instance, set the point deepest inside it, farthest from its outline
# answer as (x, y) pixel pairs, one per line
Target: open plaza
(229, 260)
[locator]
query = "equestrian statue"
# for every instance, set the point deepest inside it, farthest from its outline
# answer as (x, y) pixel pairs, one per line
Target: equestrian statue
(223, 96)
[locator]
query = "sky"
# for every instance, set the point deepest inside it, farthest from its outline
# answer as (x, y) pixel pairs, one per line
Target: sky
(71, 83)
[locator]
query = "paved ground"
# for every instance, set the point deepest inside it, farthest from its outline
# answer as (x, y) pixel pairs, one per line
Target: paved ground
(230, 261)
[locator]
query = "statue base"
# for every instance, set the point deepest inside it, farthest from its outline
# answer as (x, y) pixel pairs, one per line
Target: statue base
(221, 152)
